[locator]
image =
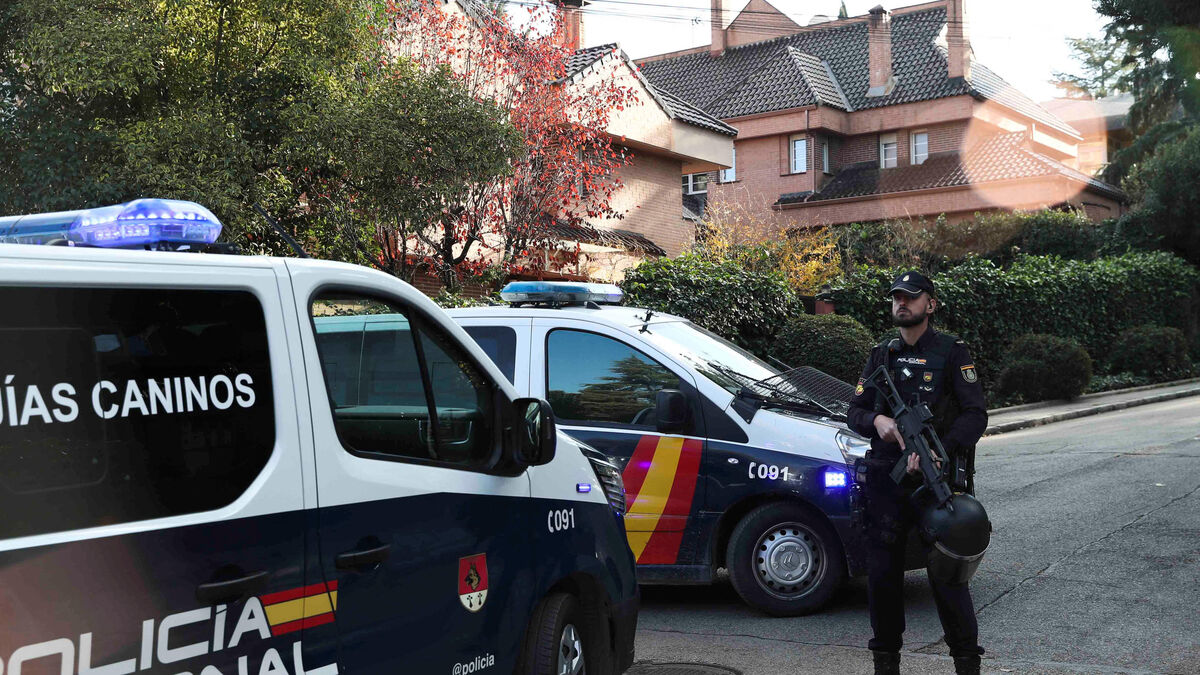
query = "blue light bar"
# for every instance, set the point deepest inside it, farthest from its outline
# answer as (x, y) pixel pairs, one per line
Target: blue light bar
(583, 487)
(130, 225)
(560, 292)
(835, 478)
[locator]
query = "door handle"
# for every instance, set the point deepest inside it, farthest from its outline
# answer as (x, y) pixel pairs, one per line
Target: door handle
(227, 591)
(356, 560)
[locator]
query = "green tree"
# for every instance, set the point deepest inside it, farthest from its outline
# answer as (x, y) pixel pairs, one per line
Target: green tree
(1169, 206)
(1163, 56)
(291, 104)
(1103, 62)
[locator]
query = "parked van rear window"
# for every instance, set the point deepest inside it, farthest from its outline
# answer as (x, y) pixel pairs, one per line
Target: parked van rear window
(125, 404)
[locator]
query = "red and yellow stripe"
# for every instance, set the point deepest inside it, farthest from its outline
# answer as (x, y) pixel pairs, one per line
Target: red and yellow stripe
(299, 608)
(660, 482)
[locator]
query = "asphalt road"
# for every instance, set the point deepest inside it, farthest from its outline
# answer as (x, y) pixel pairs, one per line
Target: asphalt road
(1094, 567)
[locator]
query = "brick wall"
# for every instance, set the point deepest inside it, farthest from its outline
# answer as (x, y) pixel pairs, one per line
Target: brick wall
(651, 202)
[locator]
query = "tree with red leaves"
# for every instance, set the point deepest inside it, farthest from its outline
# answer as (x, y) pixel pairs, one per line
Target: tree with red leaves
(565, 170)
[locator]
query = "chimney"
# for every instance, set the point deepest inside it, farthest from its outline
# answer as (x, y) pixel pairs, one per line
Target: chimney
(958, 42)
(717, 47)
(572, 23)
(879, 44)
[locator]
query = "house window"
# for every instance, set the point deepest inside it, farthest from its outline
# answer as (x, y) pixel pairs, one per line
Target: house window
(888, 151)
(799, 155)
(825, 157)
(919, 141)
(729, 175)
(695, 183)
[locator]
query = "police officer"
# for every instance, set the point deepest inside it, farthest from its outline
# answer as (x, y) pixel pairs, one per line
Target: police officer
(936, 369)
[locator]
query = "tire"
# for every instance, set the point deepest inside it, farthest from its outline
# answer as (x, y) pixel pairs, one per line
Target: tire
(558, 642)
(785, 560)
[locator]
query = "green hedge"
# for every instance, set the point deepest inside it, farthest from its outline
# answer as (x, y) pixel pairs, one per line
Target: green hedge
(1090, 301)
(745, 306)
(833, 344)
(1045, 367)
(1159, 352)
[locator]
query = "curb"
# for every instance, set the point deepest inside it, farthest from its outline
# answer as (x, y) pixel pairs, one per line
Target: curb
(1114, 392)
(1085, 412)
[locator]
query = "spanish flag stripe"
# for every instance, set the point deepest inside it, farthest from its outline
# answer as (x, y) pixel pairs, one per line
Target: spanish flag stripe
(292, 594)
(645, 511)
(639, 464)
(310, 622)
(662, 548)
(300, 608)
(679, 503)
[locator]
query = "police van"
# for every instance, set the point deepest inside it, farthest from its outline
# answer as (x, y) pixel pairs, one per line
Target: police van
(727, 461)
(242, 465)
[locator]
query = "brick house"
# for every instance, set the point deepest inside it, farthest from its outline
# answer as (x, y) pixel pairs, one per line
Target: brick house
(1103, 123)
(886, 115)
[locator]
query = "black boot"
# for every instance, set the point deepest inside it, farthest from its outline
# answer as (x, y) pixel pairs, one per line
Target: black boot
(888, 663)
(966, 665)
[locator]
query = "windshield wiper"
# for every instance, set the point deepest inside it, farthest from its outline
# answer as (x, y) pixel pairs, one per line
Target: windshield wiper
(755, 394)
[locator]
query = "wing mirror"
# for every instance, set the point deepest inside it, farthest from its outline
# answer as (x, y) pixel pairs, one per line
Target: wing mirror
(535, 435)
(671, 411)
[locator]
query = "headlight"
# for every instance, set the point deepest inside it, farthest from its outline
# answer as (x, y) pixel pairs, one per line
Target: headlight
(852, 446)
(609, 477)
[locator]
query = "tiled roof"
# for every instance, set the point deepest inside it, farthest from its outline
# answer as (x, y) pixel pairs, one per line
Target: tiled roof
(997, 158)
(675, 107)
(769, 75)
(622, 239)
(694, 206)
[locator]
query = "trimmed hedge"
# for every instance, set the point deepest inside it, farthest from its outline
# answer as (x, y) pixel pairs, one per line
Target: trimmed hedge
(1153, 351)
(836, 345)
(1092, 302)
(745, 306)
(1045, 367)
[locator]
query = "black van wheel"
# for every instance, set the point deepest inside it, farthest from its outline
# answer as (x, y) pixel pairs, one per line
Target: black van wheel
(558, 641)
(785, 560)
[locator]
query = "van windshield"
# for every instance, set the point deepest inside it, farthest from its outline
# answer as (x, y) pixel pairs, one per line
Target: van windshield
(716, 358)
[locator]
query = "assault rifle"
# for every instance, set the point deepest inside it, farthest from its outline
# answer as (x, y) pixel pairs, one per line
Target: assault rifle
(914, 424)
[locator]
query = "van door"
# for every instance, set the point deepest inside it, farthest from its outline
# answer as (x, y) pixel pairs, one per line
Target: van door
(150, 473)
(607, 400)
(428, 553)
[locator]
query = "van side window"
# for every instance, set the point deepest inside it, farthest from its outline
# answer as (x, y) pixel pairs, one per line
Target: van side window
(499, 343)
(126, 404)
(593, 378)
(389, 373)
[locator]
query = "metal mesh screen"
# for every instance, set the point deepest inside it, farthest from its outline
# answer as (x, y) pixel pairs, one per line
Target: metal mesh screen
(807, 382)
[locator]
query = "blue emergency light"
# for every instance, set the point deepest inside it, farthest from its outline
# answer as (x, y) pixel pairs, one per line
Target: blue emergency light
(835, 478)
(133, 224)
(560, 293)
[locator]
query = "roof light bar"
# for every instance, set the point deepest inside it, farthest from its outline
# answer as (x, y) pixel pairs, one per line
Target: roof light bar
(560, 293)
(134, 224)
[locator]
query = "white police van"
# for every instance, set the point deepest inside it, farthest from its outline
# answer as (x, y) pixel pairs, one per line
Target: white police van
(237, 465)
(727, 461)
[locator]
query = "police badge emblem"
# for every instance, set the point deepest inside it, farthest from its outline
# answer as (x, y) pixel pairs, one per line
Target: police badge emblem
(928, 376)
(968, 373)
(473, 581)
(858, 391)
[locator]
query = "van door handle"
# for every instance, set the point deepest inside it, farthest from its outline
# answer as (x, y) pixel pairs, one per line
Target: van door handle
(356, 560)
(223, 592)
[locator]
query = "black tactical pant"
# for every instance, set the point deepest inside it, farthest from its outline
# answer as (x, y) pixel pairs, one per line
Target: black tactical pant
(889, 515)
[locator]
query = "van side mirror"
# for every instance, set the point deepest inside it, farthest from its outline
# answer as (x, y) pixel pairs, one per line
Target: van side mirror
(534, 431)
(670, 411)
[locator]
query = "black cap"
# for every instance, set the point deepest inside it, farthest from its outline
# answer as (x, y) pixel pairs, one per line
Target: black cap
(911, 283)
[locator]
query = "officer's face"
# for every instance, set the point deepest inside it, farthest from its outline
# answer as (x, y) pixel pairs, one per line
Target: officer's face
(910, 310)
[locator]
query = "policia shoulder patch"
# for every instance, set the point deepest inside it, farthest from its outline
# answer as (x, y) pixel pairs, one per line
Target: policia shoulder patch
(968, 373)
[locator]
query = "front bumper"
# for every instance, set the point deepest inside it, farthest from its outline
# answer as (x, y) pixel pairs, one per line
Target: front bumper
(624, 630)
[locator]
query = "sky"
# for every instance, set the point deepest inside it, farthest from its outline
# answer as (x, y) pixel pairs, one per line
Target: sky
(1022, 40)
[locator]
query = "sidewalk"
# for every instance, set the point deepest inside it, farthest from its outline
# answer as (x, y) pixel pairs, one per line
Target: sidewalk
(1002, 420)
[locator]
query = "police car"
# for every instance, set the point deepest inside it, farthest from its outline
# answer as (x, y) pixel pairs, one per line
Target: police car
(727, 462)
(229, 465)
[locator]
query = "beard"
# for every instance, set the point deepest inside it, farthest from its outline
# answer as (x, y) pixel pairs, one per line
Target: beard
(908, 321)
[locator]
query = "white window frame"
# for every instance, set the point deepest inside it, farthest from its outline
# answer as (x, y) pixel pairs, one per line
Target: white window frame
(825, 157)
(914, 157)
(689, 183)
(886, 140)
(798, 161)
(730, 175)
